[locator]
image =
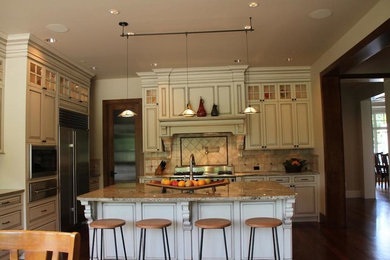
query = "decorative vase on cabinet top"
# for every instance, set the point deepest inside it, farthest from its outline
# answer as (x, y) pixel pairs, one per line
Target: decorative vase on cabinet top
(201, 111)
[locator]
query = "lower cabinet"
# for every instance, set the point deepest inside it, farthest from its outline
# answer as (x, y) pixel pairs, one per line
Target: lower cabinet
(42, 215)
(11, 213)
(306, 188)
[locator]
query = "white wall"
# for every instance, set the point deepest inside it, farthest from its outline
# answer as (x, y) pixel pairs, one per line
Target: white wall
(374, 18)
(107, 89)
(13, 161)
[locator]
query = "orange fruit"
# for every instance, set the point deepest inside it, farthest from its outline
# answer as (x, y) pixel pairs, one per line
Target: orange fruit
(195, 182)
(181, 183)
(201, 182)
(208, 181)
(189, 183)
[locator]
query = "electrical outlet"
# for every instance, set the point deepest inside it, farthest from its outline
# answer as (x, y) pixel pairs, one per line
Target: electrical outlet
(256, 167)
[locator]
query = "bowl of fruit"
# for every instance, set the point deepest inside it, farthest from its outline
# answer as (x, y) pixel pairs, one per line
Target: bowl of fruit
(187, 185)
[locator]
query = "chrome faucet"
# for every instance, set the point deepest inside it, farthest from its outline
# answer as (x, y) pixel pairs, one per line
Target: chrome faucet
(192, 163)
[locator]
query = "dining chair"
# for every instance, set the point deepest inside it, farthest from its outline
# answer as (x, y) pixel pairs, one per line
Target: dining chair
(385, 170)
(40, 244)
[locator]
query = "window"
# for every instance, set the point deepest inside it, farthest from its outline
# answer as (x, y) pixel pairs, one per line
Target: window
(379, 124)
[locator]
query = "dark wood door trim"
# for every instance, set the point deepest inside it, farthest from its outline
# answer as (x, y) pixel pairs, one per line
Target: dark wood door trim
(109, 106)
(332, 119)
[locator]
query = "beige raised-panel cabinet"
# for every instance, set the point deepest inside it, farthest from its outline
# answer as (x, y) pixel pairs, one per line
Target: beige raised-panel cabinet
(295, 116)
(263, 126)
(41, 105)
(1, 105)
(151, 126)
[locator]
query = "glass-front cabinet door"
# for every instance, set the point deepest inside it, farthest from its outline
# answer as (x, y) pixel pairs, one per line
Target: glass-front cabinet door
(35, 74)
(50, 81)
(64, 87)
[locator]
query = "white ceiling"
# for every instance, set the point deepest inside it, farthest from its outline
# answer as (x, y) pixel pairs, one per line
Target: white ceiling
(282, 29)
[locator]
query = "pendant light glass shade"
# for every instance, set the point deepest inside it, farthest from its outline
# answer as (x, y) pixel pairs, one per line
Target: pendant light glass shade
(188, 112)
(250, 110)
(127, 113)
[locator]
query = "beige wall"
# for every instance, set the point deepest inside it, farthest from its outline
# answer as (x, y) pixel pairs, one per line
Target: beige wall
(351, 95)
(13, 161)
(374, 18)
(107, 89)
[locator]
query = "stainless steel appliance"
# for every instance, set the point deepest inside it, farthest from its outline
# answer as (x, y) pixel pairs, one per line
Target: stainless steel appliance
(42, 189)
(43, 161)
(73, 167)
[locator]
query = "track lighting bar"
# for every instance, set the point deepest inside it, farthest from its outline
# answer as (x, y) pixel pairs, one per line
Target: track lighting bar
(124, 24)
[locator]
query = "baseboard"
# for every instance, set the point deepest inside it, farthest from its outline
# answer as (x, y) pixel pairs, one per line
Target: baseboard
(349, 194)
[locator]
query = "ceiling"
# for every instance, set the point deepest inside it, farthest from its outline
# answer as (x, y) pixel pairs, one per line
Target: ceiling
(283, 29)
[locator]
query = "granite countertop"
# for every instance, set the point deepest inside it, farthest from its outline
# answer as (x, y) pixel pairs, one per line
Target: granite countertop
(6, 192)
(236, 191)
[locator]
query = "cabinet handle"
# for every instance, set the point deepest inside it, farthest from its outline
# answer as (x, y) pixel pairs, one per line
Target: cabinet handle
(70, 97)
(43, 141)
(6, 202)
(45, 88)
(43, 211)
(5, 223)
(156, 104)
(304, 179)
(80, 101)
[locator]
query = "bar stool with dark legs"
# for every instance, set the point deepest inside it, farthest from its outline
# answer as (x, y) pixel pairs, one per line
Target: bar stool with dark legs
(109, 223)
(153, 223)
(212, 223)
(254, 223)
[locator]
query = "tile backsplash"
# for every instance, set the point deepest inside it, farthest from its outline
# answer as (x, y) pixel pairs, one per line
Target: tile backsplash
(221, 149)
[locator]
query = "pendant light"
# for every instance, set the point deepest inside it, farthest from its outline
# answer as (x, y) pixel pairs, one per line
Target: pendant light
(126, 112)
(249, 110)
(188, 112)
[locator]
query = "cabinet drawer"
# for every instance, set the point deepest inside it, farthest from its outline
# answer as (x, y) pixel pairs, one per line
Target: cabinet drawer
(280, 179)
(40, 211)
(304, 179)
(249, 179)
(11, 220)
(51, 226)
(10, 201)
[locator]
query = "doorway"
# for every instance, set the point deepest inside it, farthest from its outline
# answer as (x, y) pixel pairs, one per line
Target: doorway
(122, 141)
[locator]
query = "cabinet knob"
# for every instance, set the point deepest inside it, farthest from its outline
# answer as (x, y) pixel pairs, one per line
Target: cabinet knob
(43, 141)
(45, 88)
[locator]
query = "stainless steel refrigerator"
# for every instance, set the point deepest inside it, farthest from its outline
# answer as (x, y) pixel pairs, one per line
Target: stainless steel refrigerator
(73, 171)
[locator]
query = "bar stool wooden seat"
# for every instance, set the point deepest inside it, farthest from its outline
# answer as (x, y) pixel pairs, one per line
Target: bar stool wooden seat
(212, 223)
(153, 223)
(254, 223)
(109, 223)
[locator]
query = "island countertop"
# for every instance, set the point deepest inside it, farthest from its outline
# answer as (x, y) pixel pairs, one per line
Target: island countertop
(136, 192)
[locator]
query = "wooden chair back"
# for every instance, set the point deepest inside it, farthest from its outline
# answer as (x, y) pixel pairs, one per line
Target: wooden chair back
(40, 244)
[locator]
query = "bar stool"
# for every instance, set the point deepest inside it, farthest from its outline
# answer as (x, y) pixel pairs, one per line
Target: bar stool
(109, 223)
(263, 223)
(212, 223)
(153, 223)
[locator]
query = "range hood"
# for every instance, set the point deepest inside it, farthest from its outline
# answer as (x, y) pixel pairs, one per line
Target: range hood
(203, 125)
(210, 124)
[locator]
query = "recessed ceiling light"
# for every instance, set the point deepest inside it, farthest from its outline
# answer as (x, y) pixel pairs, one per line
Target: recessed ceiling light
(93, 68)
(60, 28)
(113, 11)
(253, 4)
(155, 64)
(50, 40)
(289, 59)
(320, 13)
(237, 60)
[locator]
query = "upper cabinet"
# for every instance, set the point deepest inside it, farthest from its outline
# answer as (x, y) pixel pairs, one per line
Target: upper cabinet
(41, 105)
(73, 95)
(284, 119)
(151, 129)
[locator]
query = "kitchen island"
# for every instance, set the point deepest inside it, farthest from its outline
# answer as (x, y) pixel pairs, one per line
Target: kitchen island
(236, 202)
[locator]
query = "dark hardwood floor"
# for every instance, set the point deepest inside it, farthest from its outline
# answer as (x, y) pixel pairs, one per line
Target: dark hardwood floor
(367, 235)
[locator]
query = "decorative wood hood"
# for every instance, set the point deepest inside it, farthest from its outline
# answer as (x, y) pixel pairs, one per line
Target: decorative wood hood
(220, 124)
